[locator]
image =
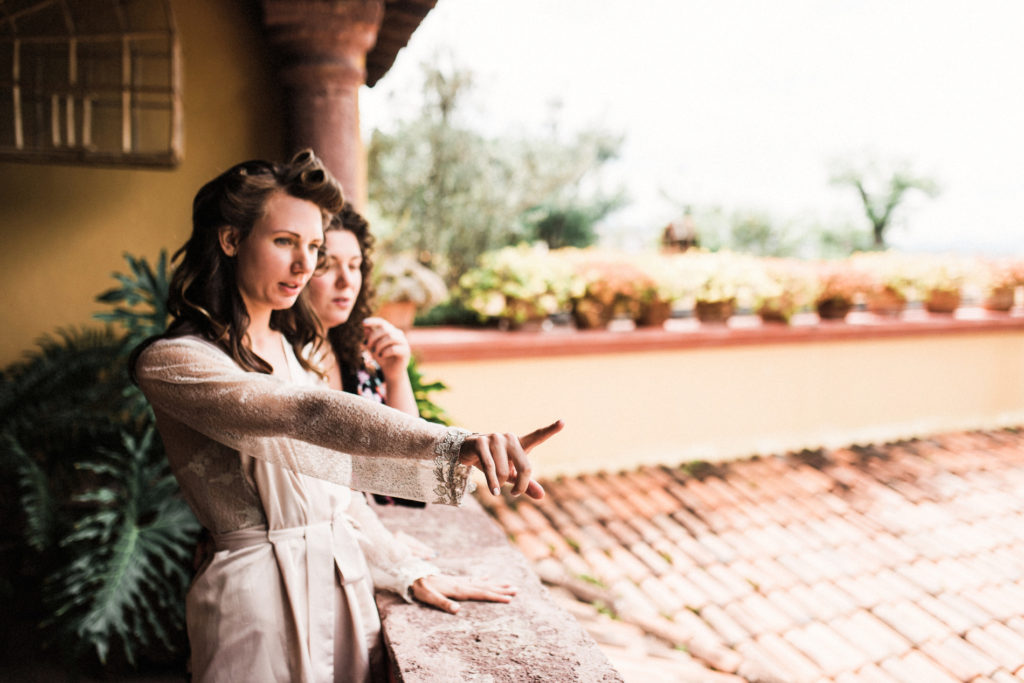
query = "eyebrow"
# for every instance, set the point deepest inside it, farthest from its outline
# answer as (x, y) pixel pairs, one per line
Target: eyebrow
(297, 235)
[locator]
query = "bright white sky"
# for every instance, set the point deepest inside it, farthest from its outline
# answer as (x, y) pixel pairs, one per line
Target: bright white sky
(743, 104)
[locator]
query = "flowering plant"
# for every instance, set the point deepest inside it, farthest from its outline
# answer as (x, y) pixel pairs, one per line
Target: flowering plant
(722, 276)
(841, 280)
(1004, 273)
(788, 287)
(402, 278)
(944, 272)
(517, 284)
(890, 271)
(604, 284)
(1003, 277)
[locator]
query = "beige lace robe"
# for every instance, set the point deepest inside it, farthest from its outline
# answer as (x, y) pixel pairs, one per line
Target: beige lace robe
(266, 466)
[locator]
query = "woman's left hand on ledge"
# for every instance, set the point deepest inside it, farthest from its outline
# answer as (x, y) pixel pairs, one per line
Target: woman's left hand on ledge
(441, 591)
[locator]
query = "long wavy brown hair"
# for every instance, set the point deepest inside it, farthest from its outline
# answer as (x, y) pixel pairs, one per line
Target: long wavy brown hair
(203, 297)
(347, 339)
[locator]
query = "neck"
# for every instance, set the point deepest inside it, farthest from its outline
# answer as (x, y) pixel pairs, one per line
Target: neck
(259, 322)
(259, 330)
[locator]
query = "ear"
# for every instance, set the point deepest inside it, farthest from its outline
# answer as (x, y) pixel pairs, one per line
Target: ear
(229, 237)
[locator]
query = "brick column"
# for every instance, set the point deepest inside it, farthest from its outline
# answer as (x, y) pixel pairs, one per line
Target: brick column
(321, 47)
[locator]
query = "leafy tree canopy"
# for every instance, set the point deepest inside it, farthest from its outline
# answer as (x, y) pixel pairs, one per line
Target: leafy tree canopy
(882, 190)
(448, 193)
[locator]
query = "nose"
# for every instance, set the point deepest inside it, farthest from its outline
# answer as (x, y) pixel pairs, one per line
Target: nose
(344, 278)
(303, 262)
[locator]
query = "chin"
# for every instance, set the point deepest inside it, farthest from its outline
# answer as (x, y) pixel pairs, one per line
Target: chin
(335, 321)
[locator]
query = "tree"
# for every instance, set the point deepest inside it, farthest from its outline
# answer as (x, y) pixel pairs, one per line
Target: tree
(449, 193)
(882, 192)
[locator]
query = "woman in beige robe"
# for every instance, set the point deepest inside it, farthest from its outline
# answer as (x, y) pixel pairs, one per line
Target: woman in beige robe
(265, 455)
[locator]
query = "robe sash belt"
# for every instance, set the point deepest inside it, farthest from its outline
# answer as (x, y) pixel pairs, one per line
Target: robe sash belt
(327, 547)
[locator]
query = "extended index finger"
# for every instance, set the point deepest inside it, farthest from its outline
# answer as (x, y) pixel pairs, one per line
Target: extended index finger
(539, 436)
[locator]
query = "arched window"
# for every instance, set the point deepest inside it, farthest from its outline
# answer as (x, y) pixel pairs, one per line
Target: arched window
(90, 82)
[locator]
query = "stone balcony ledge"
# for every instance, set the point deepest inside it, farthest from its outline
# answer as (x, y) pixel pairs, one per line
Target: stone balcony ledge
(529, 639)
(467, 344)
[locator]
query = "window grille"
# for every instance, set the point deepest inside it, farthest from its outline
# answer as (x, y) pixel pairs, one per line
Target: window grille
(90, 82)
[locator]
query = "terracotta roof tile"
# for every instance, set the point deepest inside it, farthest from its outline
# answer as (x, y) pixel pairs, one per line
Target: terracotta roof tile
(871, 635)
(652, 559)
(691, 596)
(832, 653)
(910, 621)
(973, 614)
(635, 570)
(793, 609)
(788, 659)
(954, 619)
(867, 674)
(960, 658)
(898, 562)
(989, 640)
(762, 616)
(915, 666)
(711, 587)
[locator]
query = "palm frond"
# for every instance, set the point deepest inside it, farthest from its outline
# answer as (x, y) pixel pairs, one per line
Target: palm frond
(35, 499)
(125, 587)
(76, 377)
(143, 293)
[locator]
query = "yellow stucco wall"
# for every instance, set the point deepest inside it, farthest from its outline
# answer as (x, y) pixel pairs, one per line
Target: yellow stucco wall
(668, 407)
(65, 228)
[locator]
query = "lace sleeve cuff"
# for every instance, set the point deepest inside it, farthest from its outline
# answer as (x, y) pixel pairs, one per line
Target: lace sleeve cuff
(452, 477)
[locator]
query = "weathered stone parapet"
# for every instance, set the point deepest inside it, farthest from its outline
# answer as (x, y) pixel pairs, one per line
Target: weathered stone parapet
(529, 639)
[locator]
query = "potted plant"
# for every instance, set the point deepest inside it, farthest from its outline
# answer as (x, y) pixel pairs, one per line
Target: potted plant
(1002, 278)
(892, 280)
(518, 286)
(659, 286)
(603, 285)
(405, 286)
(840, 285)
(719, 281)
(941, 278)
(788, 287)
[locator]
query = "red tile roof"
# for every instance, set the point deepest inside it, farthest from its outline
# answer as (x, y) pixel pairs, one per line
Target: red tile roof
(892, 562)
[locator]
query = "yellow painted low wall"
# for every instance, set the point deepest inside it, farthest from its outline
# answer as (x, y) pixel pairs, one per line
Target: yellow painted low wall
(670, 406)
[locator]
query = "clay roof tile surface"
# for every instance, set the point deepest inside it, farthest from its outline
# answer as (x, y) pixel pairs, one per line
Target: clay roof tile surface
(879, 562)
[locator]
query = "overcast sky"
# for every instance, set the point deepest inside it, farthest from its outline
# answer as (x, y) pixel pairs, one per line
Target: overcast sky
(743, 104)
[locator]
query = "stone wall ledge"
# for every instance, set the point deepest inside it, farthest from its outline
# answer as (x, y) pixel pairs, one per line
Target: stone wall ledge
(468, 344)
(529, 639)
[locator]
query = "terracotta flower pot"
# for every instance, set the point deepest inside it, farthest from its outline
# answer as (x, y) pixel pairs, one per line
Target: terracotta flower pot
(942, 301)
(589, 314)
(713, 311)
(399, 313)
(886, 301)
(1000, 299)
(770, 314)
(654, 313)
(834, 308)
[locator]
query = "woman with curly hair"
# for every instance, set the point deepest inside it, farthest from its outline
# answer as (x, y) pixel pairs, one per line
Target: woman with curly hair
(265, 452)
(368, 356)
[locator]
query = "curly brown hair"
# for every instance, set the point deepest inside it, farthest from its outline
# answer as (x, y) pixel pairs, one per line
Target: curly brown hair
(203, 296)
(347, 339)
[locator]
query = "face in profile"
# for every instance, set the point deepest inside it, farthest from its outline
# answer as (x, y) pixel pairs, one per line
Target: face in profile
(278, 257)
(333, 293)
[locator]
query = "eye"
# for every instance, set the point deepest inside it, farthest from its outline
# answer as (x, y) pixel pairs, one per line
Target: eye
(283, 241)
